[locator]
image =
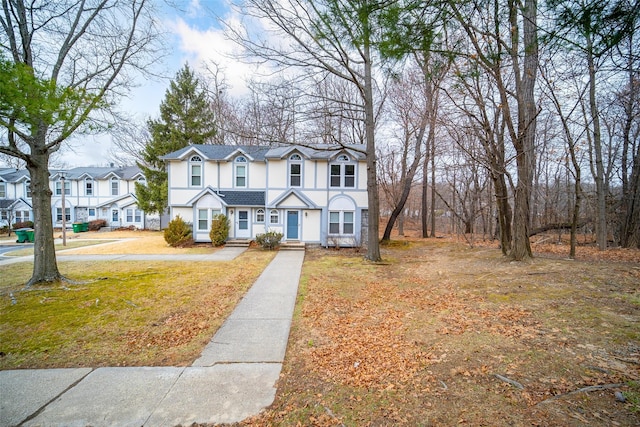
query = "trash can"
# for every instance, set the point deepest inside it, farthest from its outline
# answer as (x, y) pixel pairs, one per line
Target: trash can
(85, 226)
(30, 235)
(77, 227)
(21, 234)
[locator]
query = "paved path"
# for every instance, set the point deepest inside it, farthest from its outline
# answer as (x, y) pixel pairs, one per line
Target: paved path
(234, 378)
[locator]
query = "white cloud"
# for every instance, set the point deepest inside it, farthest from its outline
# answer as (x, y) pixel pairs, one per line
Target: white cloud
(200, 47)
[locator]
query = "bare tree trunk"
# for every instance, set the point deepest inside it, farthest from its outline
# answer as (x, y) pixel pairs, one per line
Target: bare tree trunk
(425, 188)
(45, 267)
(373, 247)
(601, 206)
(525, 142)
(433, 187)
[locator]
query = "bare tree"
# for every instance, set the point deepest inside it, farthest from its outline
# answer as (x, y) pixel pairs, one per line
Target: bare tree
(504, 44)
(67, 62)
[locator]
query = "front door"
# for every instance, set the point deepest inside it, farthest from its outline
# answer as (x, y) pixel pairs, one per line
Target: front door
(292, 225)
(242, 225)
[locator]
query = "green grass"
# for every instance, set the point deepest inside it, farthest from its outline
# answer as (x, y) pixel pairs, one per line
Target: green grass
(119, 313)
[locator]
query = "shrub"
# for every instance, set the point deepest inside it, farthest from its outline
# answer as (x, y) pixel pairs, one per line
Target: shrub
(178, 232)
(23, 224)
(219, 230)
(97, 224)
(269, 240)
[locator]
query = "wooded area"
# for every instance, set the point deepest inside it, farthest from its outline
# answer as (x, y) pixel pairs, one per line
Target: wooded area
(496, 117)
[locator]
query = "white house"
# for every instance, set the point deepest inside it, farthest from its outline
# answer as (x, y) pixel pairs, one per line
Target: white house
(312, 195)
(15, 196)
(97, 193)
(90, 193)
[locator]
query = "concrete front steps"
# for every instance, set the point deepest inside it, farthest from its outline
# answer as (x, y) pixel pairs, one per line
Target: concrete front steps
(292, 246)
(237, 243)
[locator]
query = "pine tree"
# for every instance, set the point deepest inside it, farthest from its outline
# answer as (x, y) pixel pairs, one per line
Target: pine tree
(186, 118)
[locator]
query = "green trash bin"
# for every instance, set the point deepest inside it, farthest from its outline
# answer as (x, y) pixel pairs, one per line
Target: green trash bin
(85, 226)
(30, 235)
(77, 227)
(21, 234)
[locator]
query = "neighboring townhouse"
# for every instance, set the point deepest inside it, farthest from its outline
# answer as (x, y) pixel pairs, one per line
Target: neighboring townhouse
(15, 196)
(312, 195)
(92, 193)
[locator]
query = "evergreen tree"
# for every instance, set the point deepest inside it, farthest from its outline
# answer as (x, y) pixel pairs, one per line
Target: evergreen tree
(186, 118)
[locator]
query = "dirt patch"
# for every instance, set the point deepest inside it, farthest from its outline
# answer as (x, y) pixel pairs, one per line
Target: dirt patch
(444, 334)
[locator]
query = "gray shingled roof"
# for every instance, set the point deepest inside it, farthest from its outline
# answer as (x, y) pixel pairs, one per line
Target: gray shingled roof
(260, 153)
(126, 172)
(221, 152)
(243, 198)
(13, 175)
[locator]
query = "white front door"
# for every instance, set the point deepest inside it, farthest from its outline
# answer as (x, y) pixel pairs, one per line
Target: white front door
(242, 224)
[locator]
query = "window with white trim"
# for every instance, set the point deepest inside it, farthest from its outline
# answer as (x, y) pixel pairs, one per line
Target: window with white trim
(3, 190)
(342, 173)
(195, 171)
(88, 187)
(295, 170)
(27, 189)
(137, 215)
(205, 216)
(67, 187)
(67, 214)
(260, 215)
(115, 187)
(274, 216)
(240, 172)
(92, 212)
(341, 222)
(129, 215)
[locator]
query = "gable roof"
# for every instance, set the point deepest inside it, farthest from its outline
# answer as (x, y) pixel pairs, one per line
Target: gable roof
(261, 153)
(220, 152)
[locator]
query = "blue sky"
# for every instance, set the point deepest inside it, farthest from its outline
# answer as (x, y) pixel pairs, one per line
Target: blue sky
(195, 36)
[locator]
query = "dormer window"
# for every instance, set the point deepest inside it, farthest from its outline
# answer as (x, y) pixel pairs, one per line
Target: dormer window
(195, 171)
(241, 171)
(295, 170)
(115, 186)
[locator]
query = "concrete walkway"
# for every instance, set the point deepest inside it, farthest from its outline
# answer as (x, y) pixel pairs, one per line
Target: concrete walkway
(234, 378)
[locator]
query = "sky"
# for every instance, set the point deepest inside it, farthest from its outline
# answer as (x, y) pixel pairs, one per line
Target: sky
(195, 36)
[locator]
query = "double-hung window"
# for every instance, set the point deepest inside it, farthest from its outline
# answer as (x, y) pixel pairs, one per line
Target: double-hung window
(260, 215)
(27, 186)
(88, 187)
(115, 187)
(195, 171)
(67, 188)
(129, 215)
(295, 170)
(342, 173)
(67, 214)
(341, 222)
(205, 216)
(241, 172)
